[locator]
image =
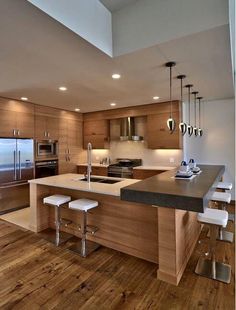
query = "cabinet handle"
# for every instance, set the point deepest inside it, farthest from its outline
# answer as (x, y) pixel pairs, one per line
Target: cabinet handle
(18, 132)
(45, 134)
(48, 134)
(14, 132)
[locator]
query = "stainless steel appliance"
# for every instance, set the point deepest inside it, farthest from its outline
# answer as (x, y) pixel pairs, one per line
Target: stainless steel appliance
(128, 131)
(16, 168)
(46, 149)
(45, 169)
(123, 168)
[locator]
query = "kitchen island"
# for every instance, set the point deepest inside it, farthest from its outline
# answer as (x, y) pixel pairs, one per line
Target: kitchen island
(164, 235)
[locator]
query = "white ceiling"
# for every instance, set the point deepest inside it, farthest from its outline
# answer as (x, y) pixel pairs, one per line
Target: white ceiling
(115, 5)
(38, 55)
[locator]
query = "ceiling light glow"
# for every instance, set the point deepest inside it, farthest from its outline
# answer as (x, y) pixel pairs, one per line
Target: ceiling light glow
(113, 104)
(62, 88)
(156, 97)
(24, 98)
(116, 76)
(77, 110)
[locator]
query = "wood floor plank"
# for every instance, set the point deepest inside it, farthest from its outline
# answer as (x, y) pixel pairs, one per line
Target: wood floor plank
(35, 274)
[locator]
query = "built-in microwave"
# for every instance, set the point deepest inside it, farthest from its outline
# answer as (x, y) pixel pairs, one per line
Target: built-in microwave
(46, 149)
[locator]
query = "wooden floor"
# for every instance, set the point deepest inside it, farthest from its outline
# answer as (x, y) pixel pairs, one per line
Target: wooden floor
(34, 274)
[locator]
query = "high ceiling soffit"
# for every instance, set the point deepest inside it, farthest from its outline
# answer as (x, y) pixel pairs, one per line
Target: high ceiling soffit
(137, 24)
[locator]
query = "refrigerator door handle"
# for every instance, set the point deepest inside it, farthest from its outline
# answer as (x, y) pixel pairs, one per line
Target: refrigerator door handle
(19, 165)
(14, 155)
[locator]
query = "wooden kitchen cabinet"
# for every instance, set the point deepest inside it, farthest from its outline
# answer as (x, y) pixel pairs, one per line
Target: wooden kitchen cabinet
(142, 174)
(70, 143)
(46, 127)
(158, 135)
(96, 170)
(96, 132)
(16, 119)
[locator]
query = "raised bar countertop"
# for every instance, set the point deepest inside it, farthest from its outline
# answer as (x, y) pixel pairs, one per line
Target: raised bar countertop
(72, 181)
(165, 191)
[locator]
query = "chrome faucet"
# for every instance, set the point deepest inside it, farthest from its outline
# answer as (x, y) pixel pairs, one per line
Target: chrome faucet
(89, 161)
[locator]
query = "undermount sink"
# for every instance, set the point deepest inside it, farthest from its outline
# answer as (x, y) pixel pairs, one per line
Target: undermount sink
(99, 180)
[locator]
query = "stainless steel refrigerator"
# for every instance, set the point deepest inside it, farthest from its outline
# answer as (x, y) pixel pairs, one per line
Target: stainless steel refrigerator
(16, 168)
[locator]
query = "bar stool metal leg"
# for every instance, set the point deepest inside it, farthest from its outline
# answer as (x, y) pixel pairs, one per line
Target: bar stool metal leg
(210, 268)
(84, 247)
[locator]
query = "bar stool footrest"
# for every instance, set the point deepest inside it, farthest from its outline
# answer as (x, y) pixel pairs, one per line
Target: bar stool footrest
(226, 236)
(91, 229)
(205, 268)
(65, 222)
(49, 235)
(231, 217)
(90, 247)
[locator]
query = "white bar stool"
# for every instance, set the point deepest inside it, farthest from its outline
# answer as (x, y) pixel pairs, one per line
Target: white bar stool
(226, 186)
(84, 247)
(57, 201)
(210, 268)
(223, 199)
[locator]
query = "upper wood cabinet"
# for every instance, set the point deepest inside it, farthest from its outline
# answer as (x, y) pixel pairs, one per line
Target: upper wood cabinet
(70, 142)
(46, 123)
(16, 119)
(158, 135)
(96, 132)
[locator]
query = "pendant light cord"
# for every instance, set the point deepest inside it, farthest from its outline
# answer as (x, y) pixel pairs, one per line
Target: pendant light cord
(189, 105)
(171, 92)
(195, 110)
(199, 112)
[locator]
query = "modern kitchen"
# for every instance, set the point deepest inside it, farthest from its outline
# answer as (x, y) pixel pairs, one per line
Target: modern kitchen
(117, 154)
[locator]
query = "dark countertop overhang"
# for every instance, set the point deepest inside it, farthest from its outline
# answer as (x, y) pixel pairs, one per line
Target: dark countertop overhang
(164, 190)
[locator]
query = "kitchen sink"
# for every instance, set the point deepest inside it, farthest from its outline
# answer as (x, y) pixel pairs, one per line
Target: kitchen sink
(99, 180)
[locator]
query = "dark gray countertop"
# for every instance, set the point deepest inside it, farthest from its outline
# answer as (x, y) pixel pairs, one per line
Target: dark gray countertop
(165, 191)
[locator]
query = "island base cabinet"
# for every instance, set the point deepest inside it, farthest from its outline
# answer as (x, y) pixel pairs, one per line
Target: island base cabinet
(178, 232)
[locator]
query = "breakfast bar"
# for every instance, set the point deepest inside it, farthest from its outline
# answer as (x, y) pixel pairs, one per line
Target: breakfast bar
(154, 219)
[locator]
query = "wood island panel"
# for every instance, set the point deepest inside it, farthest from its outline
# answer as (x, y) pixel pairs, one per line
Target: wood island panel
(127, 227)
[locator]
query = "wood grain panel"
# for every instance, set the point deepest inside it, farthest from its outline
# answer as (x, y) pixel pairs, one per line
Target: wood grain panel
(142, 174)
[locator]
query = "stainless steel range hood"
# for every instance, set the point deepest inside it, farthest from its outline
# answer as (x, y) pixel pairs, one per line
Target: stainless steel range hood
(127, 130)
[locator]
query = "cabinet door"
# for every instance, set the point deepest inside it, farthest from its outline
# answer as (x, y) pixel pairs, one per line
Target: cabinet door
(96, 127)
(40, 127)
(52, 127)
(98, 141)
(25, 125)
(142, 174)
(7, 123)
(158, 135)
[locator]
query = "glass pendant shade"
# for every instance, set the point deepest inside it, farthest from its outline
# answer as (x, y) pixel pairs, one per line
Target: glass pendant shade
(170, 122)
(182, 124)
(195, 131)
(190, 130)
(182, 128)
(200, 132)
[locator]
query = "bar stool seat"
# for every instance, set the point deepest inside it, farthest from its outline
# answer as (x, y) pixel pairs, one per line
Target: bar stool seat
(213, 216)
(221, 197)
(59, 237)
(210, 268)
(227, 186)
(56, 200)
(83, 204)
(84, 247)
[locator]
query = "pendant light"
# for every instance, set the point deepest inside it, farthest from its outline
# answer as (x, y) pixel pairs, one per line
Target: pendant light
(195, 129)
(182, 125)
(200, 131)
(171, 121)
(189, 127)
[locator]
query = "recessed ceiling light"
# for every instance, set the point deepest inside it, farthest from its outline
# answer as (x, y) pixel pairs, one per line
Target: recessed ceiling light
(115, 76)
(24, 98)
(156, 97)
(77, 109)
(112, 104)
(62, 88)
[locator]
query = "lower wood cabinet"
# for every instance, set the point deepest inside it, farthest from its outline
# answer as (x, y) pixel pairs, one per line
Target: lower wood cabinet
(95, 170)
(142, 174)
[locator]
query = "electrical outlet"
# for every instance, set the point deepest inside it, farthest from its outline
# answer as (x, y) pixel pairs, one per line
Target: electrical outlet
(172, 160)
